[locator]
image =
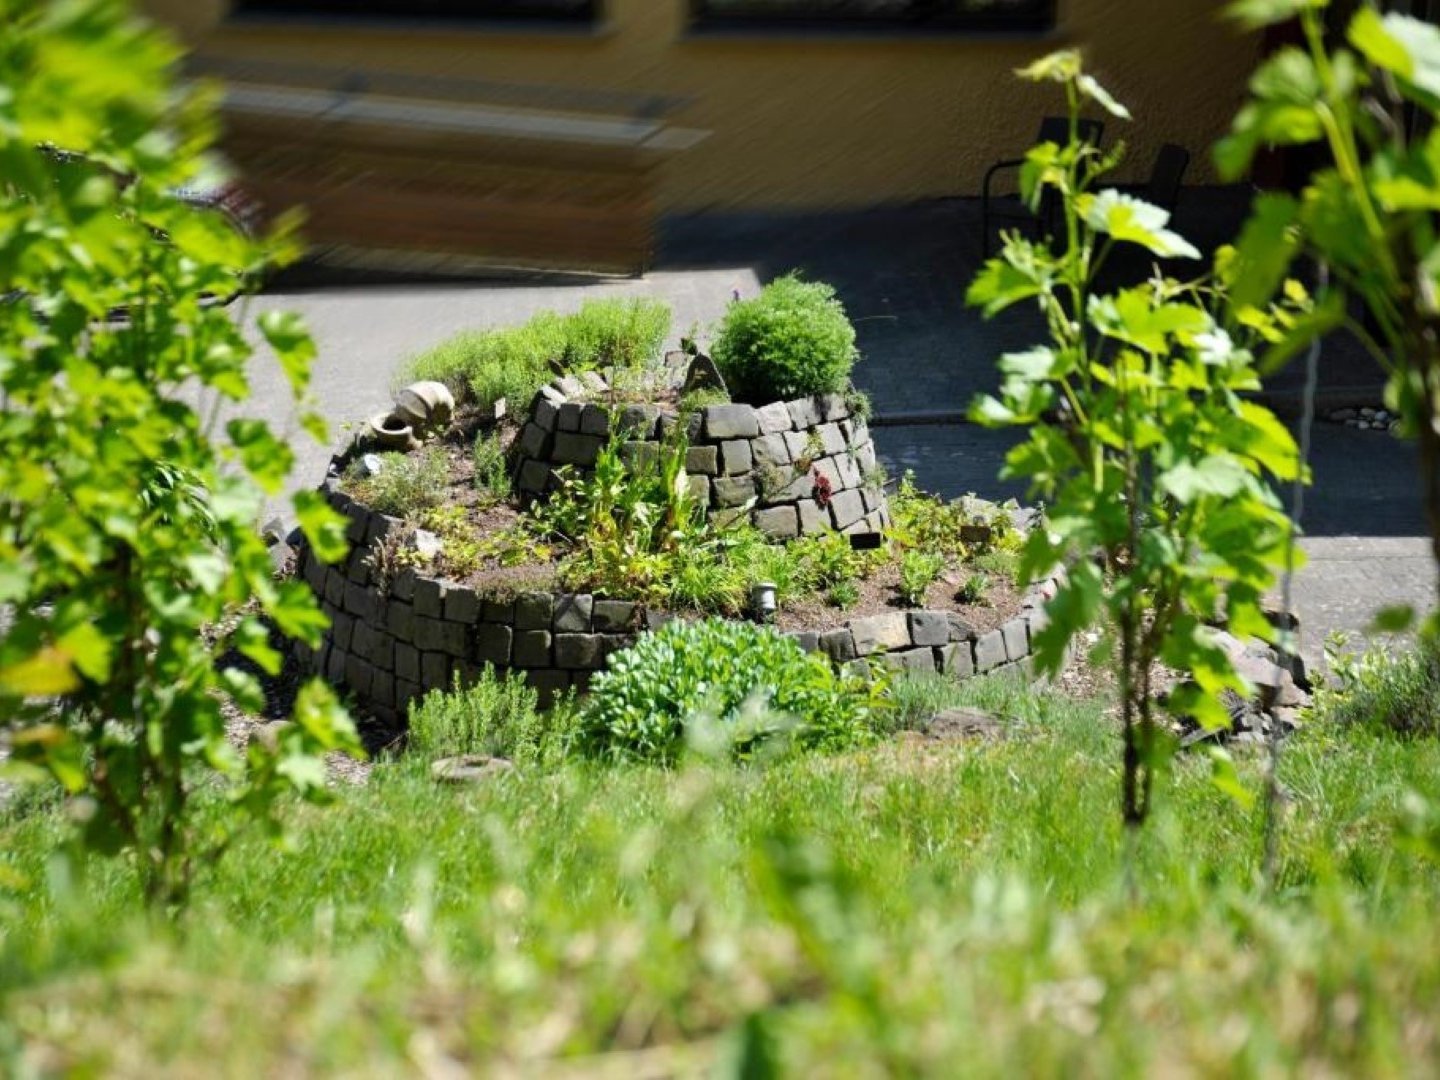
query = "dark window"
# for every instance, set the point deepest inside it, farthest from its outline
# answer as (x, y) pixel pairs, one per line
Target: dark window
(498, 10)
(878, 14)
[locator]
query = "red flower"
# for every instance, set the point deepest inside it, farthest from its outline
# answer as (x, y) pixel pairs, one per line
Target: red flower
(823, 490)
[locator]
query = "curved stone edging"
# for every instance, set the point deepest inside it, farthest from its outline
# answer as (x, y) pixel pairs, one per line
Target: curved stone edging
(388, 645)
(779, 455)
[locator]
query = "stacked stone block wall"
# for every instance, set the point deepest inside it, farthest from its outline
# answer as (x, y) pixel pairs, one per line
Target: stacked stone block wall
(391, 641)
(802, 467)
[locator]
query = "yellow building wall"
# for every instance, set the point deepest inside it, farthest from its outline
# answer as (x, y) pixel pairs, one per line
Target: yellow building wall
(811, 122)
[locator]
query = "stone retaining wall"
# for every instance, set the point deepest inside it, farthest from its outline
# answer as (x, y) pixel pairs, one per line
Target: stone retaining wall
(808, 464)
(389, 642)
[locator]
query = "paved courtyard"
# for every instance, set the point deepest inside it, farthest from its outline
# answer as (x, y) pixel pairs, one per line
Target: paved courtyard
(902, 275)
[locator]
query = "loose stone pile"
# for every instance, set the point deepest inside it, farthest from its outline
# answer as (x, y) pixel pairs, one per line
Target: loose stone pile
(1281, 692)
(1365, 417)
(802, 467)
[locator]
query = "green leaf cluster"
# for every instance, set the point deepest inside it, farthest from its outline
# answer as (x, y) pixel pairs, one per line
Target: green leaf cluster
(721, 687)
(129, 557)
(1155, 470)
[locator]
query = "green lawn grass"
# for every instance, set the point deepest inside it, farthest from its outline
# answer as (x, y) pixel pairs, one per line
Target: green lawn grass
(959, 909)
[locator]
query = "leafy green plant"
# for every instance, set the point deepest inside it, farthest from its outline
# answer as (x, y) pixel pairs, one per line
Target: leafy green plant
(496, 715)
(843, 594)
(745, 684)
(625, 523)
(406, 483)
(791, 340)
(129, 558)
(1137, 439)
(918, 571)
(492, 473)
(972, 589)
(919, 520)
(1369, 217)
(1383, 687)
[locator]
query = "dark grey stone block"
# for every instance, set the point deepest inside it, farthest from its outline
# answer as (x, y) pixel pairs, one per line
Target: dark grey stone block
(492, 643)
(704, 460)
(735, 457)
(335, 583)
(733, 490)
(773, 418)
(1017, 642)
(358, 674)
(595, 420)
(335, 666)
(839, 645)
(575, 449)
(461, 604)
(429, 598)
(831, 438)
(546, 414)
(809, 640)
(406, 691)
(846, 508)
(804, 412)
(434, 635)
(402, 585)
(771, 450)
(880, 633)
(730, 422)
(534, 441)
(569, 419)
(435, 671)
(832, 407)
(639, 421)
(909, 660)
(534, 611)
(572, 613)
(779, 522)
(498, 611)
(960, 629)
(407, 662)
(578, 651)
(531, 649)
(639, 456)
(813, 520)
(534, 477)
(612, 615)
(382, 689)
(929, 628)
(400, 618)
(342, 627)
(989, 651)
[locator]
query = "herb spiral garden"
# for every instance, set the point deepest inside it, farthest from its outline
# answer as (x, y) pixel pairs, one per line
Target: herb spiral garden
(671, 535)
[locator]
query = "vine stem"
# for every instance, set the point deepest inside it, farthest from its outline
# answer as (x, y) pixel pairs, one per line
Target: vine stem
(1290, 638)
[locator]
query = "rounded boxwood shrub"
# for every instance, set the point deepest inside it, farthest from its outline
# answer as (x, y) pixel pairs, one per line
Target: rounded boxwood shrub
(715, 680)
(792, 340)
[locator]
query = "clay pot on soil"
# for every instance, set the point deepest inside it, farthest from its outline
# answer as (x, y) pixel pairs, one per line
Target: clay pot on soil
(391, 432)
(425, 405)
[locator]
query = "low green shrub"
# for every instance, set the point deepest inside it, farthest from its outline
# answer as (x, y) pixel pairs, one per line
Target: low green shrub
(492, 474)
(615, 333)
(496, 716)
(918, 571)
(513, 363)
(1384, 689)
(734, 684)
(791, 340)
(405, 485)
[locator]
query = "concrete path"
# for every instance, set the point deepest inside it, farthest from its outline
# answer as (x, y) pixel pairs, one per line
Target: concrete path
(902, 275)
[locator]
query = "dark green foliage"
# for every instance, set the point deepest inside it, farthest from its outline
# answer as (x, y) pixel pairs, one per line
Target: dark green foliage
(495, 715)
(728, 686)
(128, 547)
(791, 340)
(918, 571)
